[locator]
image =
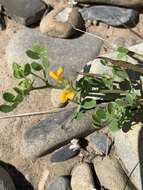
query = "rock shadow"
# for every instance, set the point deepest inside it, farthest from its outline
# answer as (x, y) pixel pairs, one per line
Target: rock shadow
(18, 178)
(140, 152)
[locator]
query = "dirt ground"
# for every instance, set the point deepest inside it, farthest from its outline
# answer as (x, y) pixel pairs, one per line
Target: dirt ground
(11, 130)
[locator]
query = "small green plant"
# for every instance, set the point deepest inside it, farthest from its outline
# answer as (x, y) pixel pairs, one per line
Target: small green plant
(113, 98)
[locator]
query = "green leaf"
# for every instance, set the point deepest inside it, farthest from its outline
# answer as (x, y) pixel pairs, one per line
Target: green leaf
(6, 108)
(122, 50)
(88, 103)
(9, 97)
(32, 54)
(100, 116)
(17, 71)
(27, 69)
(119, 74)
(18, 90)
(104, 62)
(130, 98)
(19, 98)
(114, 125)
(78, 115)
(36, 66)
(26, 84)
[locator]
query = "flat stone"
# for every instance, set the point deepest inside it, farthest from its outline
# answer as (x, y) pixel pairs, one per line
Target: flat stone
(127, 3)
(61, 52)
(60, 183)
(101, 142)
(6, 182)
(128, 147)
(82, 177)
(26, 12)
(55, 132)
(111, 15)
(63, 154)
(111, 175)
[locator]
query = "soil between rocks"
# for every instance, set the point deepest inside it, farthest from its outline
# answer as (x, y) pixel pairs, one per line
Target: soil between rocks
(11, 129)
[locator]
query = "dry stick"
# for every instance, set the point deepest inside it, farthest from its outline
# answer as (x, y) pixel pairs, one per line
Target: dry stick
(124, 64)
(93, 35)
(36, 113)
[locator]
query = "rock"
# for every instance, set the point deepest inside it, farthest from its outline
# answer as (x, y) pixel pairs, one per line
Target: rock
(6, 182)
(2, 19)
(54, 132)
(111, 15)
(127, 3)
(82, 177)
(60, 183)
(55, 3)
(64, 153)
(111, 175)
(55, 98)
(128, 147)
(100, 142)
(61, 52)
(58, 23)
(26, 12)
(61, 169)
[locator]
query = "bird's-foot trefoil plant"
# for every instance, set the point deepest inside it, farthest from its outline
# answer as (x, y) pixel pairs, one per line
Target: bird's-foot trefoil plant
(113, 98)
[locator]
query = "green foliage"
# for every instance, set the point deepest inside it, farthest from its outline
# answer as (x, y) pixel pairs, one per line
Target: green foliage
(23, 73)
(112, 103)
(122, 52)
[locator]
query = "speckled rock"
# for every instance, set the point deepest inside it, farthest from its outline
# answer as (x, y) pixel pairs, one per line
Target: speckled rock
(82, 177)
(58, 23)
(111, 175)
(57, 130)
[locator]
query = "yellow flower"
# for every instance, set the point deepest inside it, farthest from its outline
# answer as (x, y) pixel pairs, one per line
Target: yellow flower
(57, 75)
(67, 94)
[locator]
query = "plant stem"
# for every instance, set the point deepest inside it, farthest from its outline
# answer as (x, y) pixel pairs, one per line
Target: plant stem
(37, 76)
(114, 91)
(124, 64)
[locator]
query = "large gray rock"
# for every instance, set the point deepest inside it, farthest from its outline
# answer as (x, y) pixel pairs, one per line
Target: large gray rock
(111, 175)
(6, 182)
(71, 54)
(54, 132)
(111, 15)
(131, 3)
(60, 183)
(26, 12)
(128, 147)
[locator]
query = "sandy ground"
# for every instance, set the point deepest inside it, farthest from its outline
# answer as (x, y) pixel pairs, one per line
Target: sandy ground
(11, 129)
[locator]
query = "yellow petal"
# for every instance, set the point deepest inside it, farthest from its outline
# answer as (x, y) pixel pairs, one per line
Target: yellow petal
(53, 75)
(63, 97)
(70, 95)
(60, 71)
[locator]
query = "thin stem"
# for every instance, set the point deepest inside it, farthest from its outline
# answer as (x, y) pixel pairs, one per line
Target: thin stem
(124, 64)
(90, 74)
(38, 77)
(93, 35)
(37, 113)
(114, 91)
